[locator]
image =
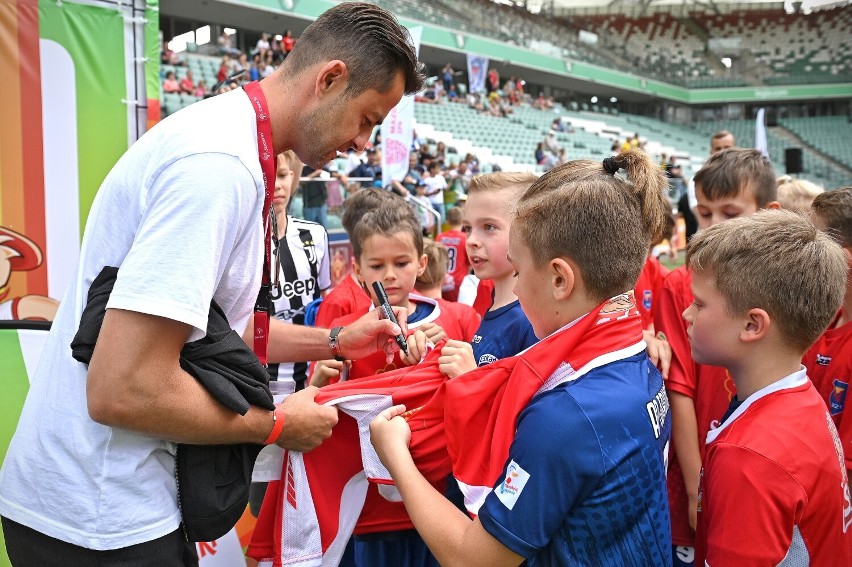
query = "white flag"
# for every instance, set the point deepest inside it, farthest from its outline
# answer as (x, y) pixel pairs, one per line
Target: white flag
(477, 70)
(760, 134)
(397, 130)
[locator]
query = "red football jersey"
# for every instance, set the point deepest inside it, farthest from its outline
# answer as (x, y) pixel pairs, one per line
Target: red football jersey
(829, 365)
(380, 515)
(345, 298)
(773, 485)
(710, 387)
(454, 242)
(647, 288)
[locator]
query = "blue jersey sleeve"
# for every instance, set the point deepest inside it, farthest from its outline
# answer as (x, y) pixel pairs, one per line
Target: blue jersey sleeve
(554, 461)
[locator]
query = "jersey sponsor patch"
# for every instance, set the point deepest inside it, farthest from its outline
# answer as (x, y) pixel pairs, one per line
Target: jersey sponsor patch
(513, 484)
(837, 399)
(486, 359)
(823, 360)
(658, 411)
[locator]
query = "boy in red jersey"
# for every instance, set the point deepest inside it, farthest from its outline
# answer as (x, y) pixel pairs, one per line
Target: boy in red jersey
(454, 241)
(348, 296)
(773, 487)
(388, 247)
(829, 360)
(733, 183)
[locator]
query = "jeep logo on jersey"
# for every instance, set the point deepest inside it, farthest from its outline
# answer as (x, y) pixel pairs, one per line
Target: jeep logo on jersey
(298, 288)
(310, 250)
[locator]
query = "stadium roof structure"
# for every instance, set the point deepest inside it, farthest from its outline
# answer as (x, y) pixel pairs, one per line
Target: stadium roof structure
(609, 6)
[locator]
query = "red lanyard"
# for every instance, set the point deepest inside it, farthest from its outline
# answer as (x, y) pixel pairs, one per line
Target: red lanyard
(263, 305)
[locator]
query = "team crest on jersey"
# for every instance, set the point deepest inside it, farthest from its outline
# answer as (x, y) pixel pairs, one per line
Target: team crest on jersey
(837, 399)
(310, 250)
(823, 360)
(513, 484)
(646, 299)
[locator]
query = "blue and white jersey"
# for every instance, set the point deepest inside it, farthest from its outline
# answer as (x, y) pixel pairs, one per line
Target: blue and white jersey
(585, 483)
(503, 332)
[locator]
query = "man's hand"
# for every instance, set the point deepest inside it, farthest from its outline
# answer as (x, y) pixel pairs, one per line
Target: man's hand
(371, 333)
(659, 351)
(390, 436)
(456, 359)
(307, 424)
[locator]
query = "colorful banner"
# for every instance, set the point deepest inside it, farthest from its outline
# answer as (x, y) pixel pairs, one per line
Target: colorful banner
(66, 121)
(477, 70)
(20, 350)
(398, 130)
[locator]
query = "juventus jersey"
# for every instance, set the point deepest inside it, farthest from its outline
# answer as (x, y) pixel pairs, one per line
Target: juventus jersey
(304, 276)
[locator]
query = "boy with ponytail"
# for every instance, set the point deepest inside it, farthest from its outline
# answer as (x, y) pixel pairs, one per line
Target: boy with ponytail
(582, 481)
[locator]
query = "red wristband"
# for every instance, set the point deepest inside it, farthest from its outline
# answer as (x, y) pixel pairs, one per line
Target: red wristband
(277, 426)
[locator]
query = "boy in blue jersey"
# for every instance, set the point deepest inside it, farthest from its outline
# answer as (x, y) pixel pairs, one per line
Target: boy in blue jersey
(504, 330)
(584, 481)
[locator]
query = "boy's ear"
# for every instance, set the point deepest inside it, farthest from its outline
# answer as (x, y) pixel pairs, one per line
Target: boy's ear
(424, 260)
(562, 279)
(333, 75)
(773, 206)
(757, 325)
(356, 269)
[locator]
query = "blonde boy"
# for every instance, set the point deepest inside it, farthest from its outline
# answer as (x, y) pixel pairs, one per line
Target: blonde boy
(734, 182)
(773, 487)
(504, 330)
(829, 360)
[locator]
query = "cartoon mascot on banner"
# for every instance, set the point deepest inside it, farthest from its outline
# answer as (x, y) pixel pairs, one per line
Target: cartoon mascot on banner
(20, 254)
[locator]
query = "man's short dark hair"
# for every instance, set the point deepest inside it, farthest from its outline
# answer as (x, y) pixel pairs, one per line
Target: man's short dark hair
(368, 39)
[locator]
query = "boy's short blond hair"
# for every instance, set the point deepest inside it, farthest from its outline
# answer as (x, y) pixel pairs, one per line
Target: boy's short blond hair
(438, 261)
(730, 172)
(834, 211)
(798, 194)
(500, 181)
(776, 261)
(602, 222)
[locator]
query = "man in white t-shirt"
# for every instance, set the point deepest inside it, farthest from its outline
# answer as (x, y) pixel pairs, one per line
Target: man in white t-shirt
(89, 477)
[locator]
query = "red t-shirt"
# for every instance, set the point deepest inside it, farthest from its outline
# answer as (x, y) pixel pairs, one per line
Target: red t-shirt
(647, 288)
(454, 242)
(288, 43)
(710, 387)
(345, 298)
(829, 365)
(773, 485)
(379, 514)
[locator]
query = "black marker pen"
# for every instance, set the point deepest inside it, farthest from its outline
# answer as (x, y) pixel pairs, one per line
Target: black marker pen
(385, 305)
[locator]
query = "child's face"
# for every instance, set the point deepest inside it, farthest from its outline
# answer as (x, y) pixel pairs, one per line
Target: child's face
(283, 184)
(392, 260)
(486, 223)
(713, 332)
(711, 213)
(531, 286)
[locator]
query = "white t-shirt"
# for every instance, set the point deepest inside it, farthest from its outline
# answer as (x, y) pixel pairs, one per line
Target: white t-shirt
(436, 183)
(180, 214)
